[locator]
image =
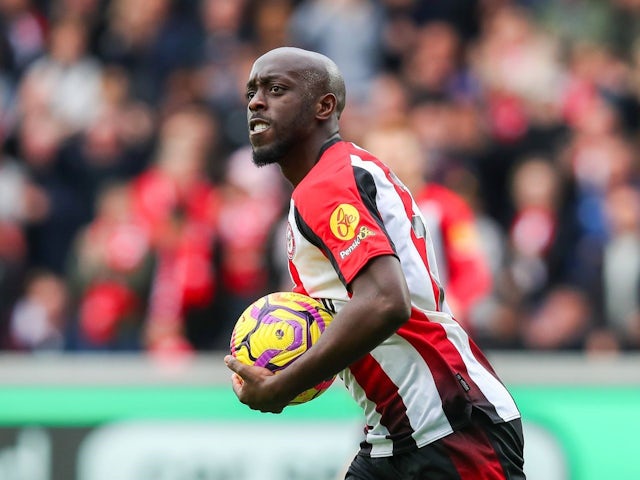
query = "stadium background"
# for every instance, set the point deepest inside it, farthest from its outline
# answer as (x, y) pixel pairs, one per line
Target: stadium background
(133, 228)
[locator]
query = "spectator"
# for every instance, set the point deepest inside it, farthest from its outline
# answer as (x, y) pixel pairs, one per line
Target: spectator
(15, 192)
(270, 21)
(560, 322)
(597, 158)
(431, 69)
(621, 266)
(535, 225)
(115, 146)
(346, 31)
(54, 208)
(41, 316)
(224, 37)
(24, 27)
(90, 12)
(226, 57)
(109, 274)
(66, 81)
(151, 40)
(178, 207)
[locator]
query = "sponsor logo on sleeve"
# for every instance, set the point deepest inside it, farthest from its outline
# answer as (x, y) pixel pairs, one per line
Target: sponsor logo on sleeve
(344, 221)
(363, 233)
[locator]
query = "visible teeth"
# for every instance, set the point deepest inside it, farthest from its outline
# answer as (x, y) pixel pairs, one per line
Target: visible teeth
(259, 127)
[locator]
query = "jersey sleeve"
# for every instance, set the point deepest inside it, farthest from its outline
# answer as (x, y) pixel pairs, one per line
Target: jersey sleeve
(339, 216)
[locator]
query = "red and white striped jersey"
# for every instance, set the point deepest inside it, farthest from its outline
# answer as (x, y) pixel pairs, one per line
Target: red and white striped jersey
(422, 382)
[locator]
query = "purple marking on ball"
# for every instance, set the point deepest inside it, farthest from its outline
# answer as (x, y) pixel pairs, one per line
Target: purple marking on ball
(255, 312)
(268, 318)
(315, 313)
(265, 357)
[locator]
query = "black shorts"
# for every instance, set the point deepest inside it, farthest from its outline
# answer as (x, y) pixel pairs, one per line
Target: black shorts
(481, 451)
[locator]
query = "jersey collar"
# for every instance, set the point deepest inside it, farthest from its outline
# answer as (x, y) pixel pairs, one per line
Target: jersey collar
(332, 140)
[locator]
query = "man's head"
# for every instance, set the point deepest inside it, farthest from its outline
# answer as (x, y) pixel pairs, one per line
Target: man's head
(295, 100)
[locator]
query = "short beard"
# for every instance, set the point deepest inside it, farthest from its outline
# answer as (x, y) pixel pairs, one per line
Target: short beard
(271, 154)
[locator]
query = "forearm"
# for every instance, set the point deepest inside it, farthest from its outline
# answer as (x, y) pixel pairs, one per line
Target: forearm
(356, 330)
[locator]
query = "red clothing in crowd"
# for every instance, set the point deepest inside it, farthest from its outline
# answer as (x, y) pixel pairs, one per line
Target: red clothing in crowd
(451, 224)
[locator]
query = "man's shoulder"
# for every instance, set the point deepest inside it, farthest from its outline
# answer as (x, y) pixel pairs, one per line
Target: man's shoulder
(344, 154)
(334, 160)
(335, 169)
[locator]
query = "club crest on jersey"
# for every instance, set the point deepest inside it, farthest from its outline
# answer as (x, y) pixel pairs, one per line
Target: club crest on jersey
(363, 233)
(291, 244)
(344, 221)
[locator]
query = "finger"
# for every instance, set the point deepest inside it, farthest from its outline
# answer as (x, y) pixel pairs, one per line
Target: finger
(236, 383)
(236, 380)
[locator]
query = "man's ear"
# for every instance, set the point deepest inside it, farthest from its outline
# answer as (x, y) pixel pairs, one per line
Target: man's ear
(326, 106)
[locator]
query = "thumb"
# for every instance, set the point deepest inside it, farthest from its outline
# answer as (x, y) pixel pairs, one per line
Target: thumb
(234, 364)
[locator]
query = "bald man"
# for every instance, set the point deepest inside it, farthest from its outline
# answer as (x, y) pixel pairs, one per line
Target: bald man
(433, 405)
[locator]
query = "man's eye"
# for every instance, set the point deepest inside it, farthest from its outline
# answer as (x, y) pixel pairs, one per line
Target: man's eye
(250, 95)
(276, 89)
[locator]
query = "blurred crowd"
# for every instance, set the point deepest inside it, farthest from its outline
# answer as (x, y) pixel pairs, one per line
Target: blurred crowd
(132, 218)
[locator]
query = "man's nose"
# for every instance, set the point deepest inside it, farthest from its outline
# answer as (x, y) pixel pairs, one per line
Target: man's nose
(257, 102)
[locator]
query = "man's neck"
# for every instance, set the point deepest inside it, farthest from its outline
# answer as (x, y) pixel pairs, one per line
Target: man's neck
(333, 139)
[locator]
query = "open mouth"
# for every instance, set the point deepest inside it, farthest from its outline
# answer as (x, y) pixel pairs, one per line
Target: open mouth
(258, 126)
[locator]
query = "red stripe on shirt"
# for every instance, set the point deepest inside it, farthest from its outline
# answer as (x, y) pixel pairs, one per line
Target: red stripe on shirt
(295, 277)
(445, 362)
(381, 390)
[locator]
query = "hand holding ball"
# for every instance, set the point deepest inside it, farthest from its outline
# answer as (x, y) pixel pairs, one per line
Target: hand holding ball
(276, 329)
